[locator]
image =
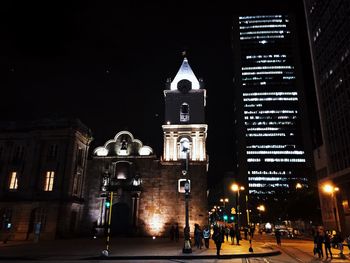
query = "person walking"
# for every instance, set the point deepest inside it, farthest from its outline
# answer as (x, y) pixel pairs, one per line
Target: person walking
(177, 232)
(197, 236)
(238, 234)
(327, 245)
(278, 237)
(218, 237)
(232, 234)
(318, 240)
(227, 232)
(206, 236)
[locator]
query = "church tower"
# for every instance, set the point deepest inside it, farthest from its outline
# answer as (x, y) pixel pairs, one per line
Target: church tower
(184, 116)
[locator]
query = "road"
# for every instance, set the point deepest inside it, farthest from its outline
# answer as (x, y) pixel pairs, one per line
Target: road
(292, 251)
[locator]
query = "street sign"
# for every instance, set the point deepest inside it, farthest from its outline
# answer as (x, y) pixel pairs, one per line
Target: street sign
(182, 185)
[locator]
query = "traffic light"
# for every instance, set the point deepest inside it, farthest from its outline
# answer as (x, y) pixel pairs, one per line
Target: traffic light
(225, 217)
(108, 204)
(233, 210)
(232, 218)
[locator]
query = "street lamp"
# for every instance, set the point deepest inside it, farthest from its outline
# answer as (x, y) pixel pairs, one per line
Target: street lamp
(237, 188)
(332, 190)
(187, 244)
(298, 186)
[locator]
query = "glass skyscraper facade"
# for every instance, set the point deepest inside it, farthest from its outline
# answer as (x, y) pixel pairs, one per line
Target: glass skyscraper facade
(272, 134)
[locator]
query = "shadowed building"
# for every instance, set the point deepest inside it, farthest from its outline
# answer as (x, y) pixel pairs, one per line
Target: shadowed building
(329, 37)
(42, 171)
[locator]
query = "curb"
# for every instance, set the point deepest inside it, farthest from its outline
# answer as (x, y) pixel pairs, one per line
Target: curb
(154, 257)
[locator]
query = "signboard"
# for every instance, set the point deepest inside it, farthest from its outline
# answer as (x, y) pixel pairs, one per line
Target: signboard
(182, 184)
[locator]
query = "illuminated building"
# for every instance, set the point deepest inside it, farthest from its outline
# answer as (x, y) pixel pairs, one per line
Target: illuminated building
(272, 134)
(329, 37)
(147, 191)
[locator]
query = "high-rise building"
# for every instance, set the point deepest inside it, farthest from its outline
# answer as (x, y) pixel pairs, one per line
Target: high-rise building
(329, 36)
(272, 134)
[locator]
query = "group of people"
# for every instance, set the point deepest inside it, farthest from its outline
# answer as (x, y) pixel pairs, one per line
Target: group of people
(232, 230)
(329, 241)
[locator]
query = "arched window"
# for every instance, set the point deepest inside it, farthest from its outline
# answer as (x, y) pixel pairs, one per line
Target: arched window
(184, 112)
(184, 148)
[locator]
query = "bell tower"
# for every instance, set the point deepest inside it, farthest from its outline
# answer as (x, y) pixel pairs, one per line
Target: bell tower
(185, 100)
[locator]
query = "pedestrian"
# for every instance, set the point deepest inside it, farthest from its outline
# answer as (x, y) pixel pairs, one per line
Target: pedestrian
(245, 233)
(252, 230)
(218, 237)
(172, 233)
(278, 236)
(339, 240)
(177, 233)
(227, 232)
(232, 234)
(318, 240)
(238, 234)
(327, 245)
(197, 236)
(206, 236)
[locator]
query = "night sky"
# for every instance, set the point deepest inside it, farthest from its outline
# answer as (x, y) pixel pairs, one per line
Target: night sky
(107, 65)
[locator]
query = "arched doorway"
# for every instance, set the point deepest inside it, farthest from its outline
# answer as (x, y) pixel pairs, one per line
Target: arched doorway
(121, 223)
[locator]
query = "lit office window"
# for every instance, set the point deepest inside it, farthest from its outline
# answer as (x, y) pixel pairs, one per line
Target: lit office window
(50, 176)
(13, 181)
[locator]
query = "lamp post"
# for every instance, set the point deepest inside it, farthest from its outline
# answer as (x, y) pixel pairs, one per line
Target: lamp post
(332, 190)
(187, 244)
(237, 188)
(109, 205)
(224, 201)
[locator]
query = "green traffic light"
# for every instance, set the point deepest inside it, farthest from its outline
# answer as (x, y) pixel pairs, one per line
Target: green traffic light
(225, 217)
(108, 204)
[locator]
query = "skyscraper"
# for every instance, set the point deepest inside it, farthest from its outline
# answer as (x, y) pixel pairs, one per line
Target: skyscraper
(272, 135)
(329, 36)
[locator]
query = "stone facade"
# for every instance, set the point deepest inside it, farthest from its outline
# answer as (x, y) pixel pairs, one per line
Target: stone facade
(147, 192)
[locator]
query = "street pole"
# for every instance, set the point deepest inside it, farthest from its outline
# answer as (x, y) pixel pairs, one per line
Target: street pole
(187, 244)
(248, 222)
(238, 212)
(106, 251)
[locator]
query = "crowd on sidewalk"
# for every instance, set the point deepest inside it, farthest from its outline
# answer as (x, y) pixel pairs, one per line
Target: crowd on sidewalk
(328, 240)
(219, 233)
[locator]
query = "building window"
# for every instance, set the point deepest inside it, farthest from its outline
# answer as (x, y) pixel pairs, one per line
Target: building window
(13, 181)
(50, 176)
(18, 154)
(80, 156)
(52, 153)
(184, 112)
(184, 148)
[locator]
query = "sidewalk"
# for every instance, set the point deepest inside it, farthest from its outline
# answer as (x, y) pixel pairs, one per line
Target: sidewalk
(125, 248)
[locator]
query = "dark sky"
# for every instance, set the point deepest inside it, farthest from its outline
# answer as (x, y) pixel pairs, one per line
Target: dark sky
(107, 64)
